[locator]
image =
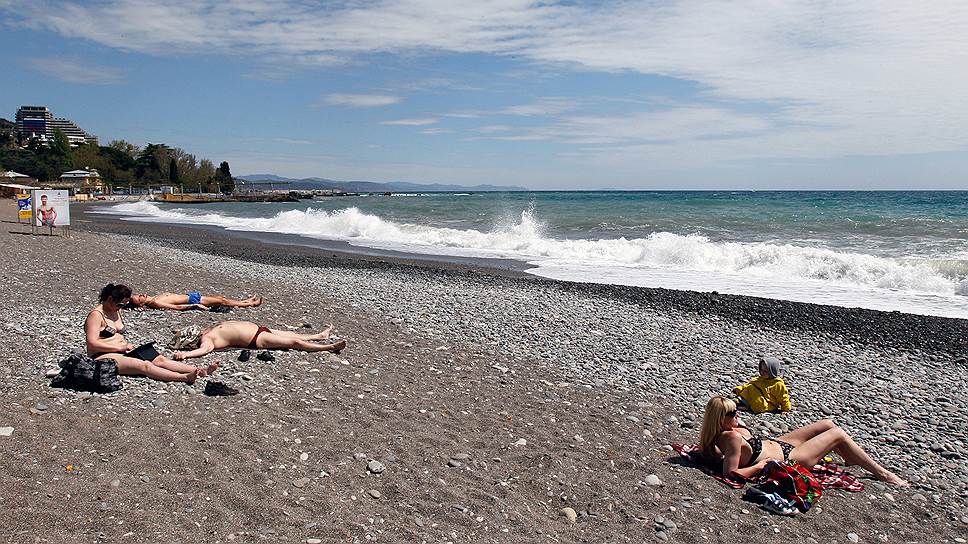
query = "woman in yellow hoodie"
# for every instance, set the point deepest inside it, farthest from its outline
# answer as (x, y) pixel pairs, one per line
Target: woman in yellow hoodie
(766, 392)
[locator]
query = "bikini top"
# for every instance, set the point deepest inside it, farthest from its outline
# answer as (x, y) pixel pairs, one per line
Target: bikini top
(108, 331)
(756, 444)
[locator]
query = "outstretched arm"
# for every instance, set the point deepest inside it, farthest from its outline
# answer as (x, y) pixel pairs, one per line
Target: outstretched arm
(206, 347)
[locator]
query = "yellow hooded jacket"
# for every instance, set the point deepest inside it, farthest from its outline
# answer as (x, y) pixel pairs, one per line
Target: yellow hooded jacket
(765, 394)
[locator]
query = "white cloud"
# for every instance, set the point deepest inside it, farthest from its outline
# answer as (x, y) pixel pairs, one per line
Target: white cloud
(433, 131)
(291, 141)
(76, 71)
(883, 77)
(411, 122)
(360, 100)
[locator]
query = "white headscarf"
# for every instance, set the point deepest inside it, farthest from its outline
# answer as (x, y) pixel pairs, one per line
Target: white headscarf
(189, 337)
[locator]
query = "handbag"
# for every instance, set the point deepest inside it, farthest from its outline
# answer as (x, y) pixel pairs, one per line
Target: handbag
(82, 373)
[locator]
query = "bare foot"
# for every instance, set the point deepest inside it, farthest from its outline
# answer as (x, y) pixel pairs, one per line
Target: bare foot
(338, 346)
(893, 479)
(324, 334)
(204, 372)
(190, 377)
(255, 301)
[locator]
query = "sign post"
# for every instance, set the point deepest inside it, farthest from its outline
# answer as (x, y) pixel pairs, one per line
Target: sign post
(24, 210)
(51, 208)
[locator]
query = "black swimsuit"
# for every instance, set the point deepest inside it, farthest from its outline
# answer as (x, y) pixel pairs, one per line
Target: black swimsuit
(756, 445)
(107, 332)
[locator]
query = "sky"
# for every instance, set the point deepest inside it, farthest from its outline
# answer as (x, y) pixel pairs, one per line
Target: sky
(546, 95)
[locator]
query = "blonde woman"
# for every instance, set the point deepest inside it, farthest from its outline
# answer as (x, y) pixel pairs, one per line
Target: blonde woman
(723, 437)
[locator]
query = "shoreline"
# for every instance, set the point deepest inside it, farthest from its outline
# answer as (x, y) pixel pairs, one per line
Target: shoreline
(940, 335)
(446, 373)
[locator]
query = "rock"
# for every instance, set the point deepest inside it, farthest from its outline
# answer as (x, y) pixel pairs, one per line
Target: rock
(300, 483)
(569, 514)
(375, 467)
(145, 478)
(374, 493)
(6, 431)
(454, 463)
(853, 537)
(51, 372)
(460, 457)
(115, 483)
(520, 442)
(359, 456)
(313, 541)
(661, 535)
(303, 456)
(653, 480)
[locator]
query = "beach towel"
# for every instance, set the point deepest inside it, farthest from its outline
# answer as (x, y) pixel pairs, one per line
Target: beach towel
(829, 475)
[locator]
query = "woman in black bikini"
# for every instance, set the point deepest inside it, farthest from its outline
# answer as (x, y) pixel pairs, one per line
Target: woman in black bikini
(104, 331)
(245, 334)
(745, 455)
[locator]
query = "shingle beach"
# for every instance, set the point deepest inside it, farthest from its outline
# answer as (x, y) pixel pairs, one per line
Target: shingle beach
(472, 404)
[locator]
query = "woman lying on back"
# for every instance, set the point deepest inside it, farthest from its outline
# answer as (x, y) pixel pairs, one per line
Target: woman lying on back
(104, 332)
(245, 334)
(722, 436)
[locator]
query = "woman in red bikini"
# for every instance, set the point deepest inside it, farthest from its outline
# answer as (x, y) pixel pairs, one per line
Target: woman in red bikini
(247, 335)
(722, 436)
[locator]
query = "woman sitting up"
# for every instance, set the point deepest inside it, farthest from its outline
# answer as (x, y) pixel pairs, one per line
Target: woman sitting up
(723, 437)
(248, 335)
(191, 301)
(104, 331)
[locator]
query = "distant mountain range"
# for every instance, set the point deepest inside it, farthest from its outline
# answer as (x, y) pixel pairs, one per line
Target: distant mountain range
(305, 184)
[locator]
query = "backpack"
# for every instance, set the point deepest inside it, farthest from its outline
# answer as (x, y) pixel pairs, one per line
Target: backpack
(82, 373)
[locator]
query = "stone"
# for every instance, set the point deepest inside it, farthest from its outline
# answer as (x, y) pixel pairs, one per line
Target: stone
(300, 483)
(115, 483)
(853, 537)
(661, 535)
(303, 456)
(6, 431)
(375, 467)
(653, 480)
(569, 514)
(313, 541)
(520, 442)
(51, 372)
(374, 493)
(454, 463)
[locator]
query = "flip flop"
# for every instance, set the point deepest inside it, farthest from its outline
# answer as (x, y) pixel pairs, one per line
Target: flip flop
(219, 389)
(244, 355)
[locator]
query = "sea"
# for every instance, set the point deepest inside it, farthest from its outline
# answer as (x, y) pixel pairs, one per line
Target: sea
(885, 250)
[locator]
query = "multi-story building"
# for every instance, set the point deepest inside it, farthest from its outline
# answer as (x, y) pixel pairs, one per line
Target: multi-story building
(37, 122)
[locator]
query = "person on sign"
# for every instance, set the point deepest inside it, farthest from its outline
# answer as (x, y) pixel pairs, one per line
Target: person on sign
(46, 214)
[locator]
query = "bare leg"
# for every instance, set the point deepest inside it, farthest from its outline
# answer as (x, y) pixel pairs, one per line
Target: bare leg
(801, 435)
(318, 336)
(218, 300)
(174, 366)
(273, 340)
(836, 439)
(129, 366)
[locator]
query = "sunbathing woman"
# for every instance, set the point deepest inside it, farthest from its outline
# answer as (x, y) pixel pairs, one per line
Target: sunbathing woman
(191, 301)
(104, 329)
(744, 454)
(245, 334)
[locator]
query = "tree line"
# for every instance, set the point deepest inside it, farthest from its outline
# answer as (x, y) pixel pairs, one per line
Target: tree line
(120, 163)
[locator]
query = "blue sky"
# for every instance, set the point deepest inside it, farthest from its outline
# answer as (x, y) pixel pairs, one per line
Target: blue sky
(547, 95)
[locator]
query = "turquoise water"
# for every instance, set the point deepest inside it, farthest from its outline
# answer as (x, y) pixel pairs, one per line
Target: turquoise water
(886, 250)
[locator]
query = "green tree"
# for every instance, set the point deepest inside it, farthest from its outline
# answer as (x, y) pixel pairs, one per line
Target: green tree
(151, 164)
(173, 171)
(224, 178)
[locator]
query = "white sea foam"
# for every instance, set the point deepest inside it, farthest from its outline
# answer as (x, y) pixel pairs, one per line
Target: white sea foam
(662, 259)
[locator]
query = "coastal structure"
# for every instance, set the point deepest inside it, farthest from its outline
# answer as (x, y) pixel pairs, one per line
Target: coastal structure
(16, 177)
(38, 123)
(83, 181)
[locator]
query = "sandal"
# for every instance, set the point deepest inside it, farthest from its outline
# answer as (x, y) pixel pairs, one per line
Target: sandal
(244, 355)
(265, 356)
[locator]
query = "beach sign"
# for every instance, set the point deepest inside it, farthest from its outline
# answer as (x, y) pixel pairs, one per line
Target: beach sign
(51, 207)
(24, 210)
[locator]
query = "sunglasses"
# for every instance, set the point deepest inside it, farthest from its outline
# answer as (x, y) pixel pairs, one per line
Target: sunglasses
(731, 413)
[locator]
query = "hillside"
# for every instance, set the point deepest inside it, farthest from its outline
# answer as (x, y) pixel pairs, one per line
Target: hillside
(376, 187)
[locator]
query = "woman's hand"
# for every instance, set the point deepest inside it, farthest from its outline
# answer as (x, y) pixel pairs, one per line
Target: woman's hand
(178, 356)
(127, 347)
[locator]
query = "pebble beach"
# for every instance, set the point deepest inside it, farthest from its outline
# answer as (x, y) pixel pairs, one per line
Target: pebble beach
(472, 404)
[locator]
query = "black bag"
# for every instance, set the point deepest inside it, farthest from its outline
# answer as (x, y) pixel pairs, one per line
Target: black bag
(82, 373)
